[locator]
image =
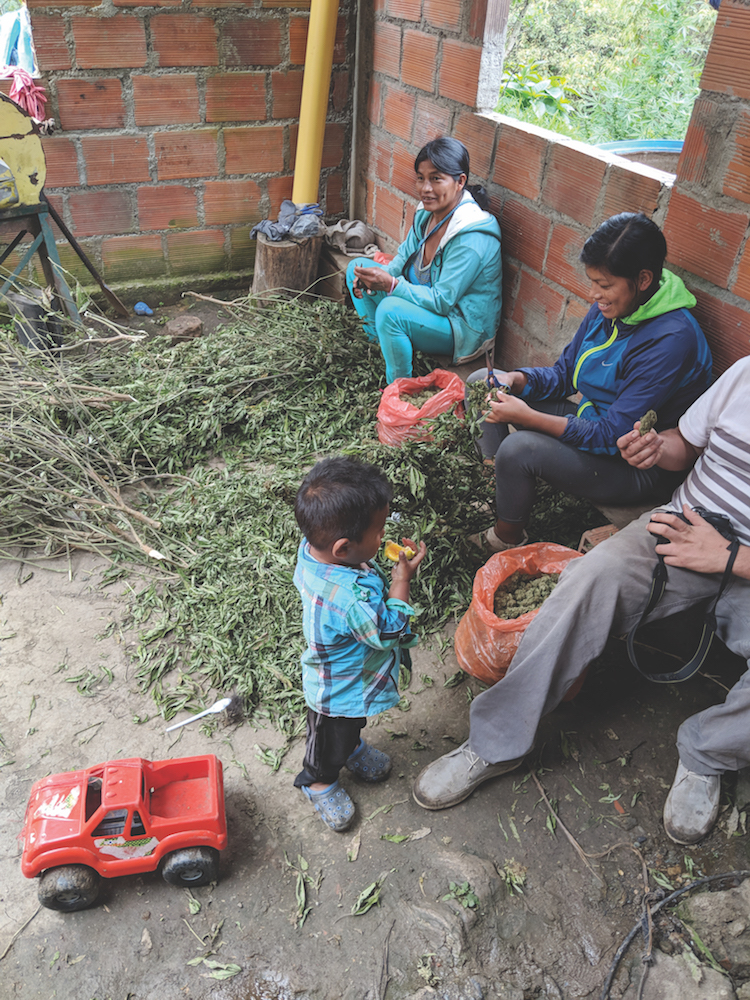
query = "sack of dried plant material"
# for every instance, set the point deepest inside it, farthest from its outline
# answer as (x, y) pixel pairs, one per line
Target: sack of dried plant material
(484, 643)
(407, 403)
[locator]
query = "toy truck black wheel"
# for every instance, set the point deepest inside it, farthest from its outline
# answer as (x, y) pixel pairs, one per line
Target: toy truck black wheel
(191, 866)
(69, 888)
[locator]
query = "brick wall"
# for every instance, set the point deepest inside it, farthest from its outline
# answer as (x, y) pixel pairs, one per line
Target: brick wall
(178, 127)
(548, 192)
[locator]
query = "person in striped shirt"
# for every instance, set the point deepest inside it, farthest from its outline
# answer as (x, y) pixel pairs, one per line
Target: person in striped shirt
(606, 591)
(356, 625)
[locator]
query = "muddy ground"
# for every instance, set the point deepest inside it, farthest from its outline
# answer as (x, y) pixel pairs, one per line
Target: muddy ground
(605, 761)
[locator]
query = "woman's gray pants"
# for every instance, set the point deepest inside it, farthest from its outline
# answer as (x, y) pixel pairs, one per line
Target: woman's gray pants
(605, 592)
(525, 456)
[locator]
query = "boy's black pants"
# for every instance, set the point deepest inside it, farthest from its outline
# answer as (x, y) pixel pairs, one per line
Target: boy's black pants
(331, 740)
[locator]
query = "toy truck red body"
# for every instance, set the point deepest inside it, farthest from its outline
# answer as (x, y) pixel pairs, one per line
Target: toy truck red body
(125, 817)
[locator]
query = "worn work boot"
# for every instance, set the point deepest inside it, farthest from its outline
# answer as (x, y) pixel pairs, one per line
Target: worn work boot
(692, 805)
(454, 776)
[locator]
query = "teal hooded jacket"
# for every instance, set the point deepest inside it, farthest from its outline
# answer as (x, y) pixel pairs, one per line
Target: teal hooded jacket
(466, 275)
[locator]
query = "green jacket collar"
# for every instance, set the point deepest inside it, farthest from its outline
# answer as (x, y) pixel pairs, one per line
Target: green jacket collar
(671, 294)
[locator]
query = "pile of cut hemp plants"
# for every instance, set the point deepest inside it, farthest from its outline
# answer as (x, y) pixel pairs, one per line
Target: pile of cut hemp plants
(180, 466)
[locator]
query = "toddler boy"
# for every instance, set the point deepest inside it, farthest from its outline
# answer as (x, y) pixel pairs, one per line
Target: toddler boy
(355, 626)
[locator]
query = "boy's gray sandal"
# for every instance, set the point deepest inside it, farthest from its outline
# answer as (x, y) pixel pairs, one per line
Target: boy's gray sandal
(369, 764)
(453, 777)
(334, 805)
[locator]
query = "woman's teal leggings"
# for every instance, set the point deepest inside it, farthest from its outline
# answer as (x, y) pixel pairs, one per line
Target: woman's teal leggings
(399, 326)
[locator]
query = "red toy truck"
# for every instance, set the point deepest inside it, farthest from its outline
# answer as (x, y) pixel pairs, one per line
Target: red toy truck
(124, 817)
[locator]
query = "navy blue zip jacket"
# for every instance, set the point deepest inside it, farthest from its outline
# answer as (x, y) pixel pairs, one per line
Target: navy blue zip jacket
(655, 359)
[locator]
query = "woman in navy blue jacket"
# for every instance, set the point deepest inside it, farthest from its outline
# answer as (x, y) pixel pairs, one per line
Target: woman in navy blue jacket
(637, 349)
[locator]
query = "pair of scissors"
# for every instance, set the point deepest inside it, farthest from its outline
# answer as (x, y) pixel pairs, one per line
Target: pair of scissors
(493, 382)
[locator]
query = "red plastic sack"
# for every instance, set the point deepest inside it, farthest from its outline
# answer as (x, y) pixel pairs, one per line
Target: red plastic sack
(382, 258)
(399, 421)
(484, 643)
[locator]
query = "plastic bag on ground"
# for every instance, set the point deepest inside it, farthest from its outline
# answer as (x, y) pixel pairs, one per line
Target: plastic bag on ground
(399, 421)
(484, 643)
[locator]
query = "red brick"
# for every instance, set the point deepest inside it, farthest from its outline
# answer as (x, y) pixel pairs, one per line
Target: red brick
(538, 308)
(251, 42)
(406, 10)
(70, 261)
(693, 159)
(432, 120)
(389, 213)
(260, 150)
(575, 311)
(420, 60)
(133, 257)
(398, 113)
(703, 240)
(403, 176)
(166, 100)
(340, 91)
(373, 102)
(96, 213)
(184, 40)
(49, 42)
(525, 233)
(241, 249)
(573, 182)
(41, 4)
(519, 160)
(286, 89)
(379, 158)
(224, 3)
(333, 144)
(167, 206)
(459, 71)
(386, 49)
(109, 42)
(478, 135)
(334, 195)
(727, 329)
(115, 159)
(147, 3)
(369, 201)
(294, 5)
(298, 27)
(443, 13)
(62, 162)
(737, 176)
(477, 19)
(231, 201)
(236, 97)
(410, 210)
(199, 252)
(629, 190)
(741, 284)
(279, 189)
(727, 66)
(562, 265)
(88, 104)
(186, 154)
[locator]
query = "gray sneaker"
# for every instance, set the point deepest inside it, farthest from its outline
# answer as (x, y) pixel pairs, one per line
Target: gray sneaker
(453, 777)
(692, 805)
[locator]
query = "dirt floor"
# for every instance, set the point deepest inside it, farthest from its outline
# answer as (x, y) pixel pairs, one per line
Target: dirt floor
(546, 923)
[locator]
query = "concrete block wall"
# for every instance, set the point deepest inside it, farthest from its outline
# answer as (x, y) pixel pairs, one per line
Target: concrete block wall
(548, 192)
(178, 127)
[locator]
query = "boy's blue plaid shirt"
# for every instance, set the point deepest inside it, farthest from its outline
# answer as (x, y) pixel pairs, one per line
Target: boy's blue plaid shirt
(354, 634)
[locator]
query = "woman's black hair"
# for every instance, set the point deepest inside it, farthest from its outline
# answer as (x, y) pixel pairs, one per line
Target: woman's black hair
(338, 498)
(451, 157)
(625, 245)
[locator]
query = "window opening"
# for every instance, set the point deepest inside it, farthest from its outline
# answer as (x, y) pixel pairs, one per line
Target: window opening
(93, 796)
(600, 71)
(113, 824)
(137, 829)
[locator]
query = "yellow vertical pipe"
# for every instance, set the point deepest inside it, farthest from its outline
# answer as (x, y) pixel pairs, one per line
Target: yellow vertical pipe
(312, 114)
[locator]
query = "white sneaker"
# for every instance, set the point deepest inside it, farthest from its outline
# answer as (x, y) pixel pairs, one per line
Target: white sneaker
(692, 805)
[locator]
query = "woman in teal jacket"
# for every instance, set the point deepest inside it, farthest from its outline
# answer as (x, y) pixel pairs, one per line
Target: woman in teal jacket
(442, 292)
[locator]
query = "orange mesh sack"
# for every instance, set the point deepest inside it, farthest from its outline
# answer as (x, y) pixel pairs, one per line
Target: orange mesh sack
(484, 643)
(399, 420)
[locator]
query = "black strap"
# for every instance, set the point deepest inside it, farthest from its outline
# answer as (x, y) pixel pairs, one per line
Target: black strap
(658, 586)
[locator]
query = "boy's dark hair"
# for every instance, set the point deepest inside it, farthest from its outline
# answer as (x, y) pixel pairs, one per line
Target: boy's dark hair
(625, 245)
(338, 498)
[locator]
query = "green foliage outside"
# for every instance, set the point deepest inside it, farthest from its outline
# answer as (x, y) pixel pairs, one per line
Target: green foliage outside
(606, 70)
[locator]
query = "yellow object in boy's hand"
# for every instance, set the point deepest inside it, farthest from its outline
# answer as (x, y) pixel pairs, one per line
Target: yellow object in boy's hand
(393, 550)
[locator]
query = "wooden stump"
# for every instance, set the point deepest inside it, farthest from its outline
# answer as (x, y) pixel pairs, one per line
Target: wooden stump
(283, 266)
